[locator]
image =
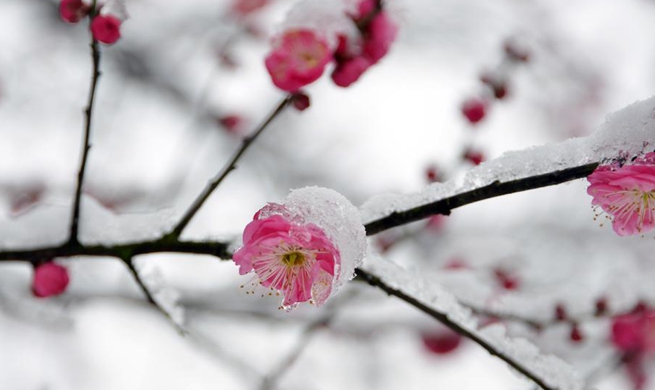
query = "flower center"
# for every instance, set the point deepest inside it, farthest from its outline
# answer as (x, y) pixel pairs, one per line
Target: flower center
(293, 259)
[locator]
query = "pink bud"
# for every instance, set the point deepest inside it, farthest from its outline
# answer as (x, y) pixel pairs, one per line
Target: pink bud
(300, 101)
(432, 174)
(576, 335)
(456, 264)
(474, 110)
(473, 156)
(442, 342)
(601, 306)
(50, 279)
(245, 7)
(232, 123)
(506, 280)
(106, 28)
(560, 312)
(516, 53)
(73, 10)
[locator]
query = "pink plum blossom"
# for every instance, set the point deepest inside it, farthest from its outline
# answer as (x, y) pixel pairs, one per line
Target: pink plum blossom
(354, 56)
(106, 28)
(50, 279)
(245, 7)
(627, 194)
(73, 10)
(474, 110)
(633, 334)
(299, 58)
(297, 259)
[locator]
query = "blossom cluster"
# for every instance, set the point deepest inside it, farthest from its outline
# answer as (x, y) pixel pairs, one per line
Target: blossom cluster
(300, 55)
(633, 334)
(104, 26)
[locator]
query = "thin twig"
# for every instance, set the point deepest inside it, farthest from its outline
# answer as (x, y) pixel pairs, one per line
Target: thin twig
(497, 188)
(229, 167)
(129, 262)
(75, 219)
(374, 280)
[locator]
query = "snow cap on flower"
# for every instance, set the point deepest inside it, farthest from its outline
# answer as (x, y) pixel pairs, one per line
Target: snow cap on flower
(49, 279)
(626, 194)
(298, 58)
(306, 247)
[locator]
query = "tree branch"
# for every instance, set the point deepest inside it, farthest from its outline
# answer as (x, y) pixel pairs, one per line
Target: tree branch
(375, 281)
(121, 251)
(95, 55)
(446, 205)
(129, 262)
(229, 167)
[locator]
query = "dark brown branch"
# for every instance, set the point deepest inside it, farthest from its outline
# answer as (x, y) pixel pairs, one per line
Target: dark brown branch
(229, 167)
(443, 318)
(121, 251)
(75, 219)
(129, 262)
(497, 188)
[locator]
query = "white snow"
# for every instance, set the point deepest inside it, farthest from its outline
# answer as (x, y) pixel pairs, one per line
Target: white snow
(626, 132)
(338, 218)
(551, 369)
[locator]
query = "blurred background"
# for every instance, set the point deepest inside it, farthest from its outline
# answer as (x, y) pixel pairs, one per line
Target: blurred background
(187, 81)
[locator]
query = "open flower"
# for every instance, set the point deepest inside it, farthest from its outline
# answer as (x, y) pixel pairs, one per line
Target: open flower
(297, 259)
(299, 58)
(627, 194)
(289, 252)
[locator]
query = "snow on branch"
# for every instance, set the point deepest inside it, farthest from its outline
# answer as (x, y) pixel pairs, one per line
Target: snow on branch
(547, 371)
(624, 134)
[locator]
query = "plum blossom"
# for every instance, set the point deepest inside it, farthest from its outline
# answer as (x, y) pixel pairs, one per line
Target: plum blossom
(106, 28)
(298, 260)
(633, 334)
(72, 11)
(626, 193)
(50, 279)
(299, 248)
(299, 58)
(354, 56)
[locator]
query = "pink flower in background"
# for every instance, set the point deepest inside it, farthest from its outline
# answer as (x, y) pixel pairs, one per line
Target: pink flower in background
(73, 10)
(106, 28)
(50, 279)
(441, 342)
(633, 334)
(245, 7)
(299, 260)
(380, 34)
(377, 33)
(299, 58)
(474, 110)
(627, 194)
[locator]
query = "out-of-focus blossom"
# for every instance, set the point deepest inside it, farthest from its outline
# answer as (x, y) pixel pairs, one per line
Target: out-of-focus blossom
(245, 7)
(441, 342)
(50, 279)
(627, 194)
(72, 11)
(298, 58)
(106, 28)
(473, 156)
(474, 110)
